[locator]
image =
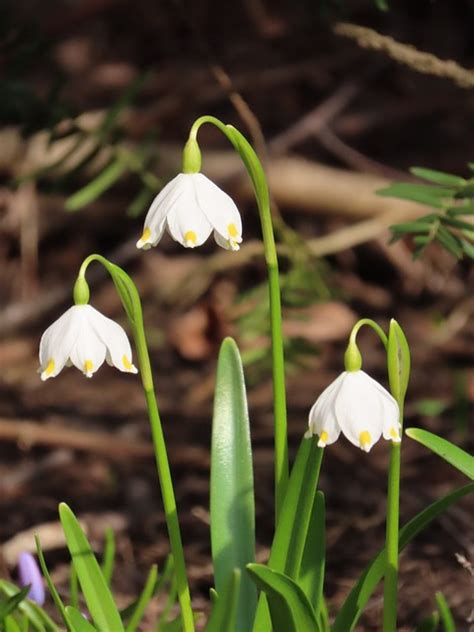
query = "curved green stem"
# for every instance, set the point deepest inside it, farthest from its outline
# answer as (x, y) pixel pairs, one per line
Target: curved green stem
(259, 182)
(369, 323)
(132, 305)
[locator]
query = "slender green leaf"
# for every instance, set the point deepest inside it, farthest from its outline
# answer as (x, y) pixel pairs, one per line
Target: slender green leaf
(52, 588)
(77, 621)
(458, 458)
(353, 606)
(224, 612)
(11, 625)
(449, 241)
(290, 609)
(97, 594)
(107, 178)
(467, 248)
(438, 177)
(27, 608)
(11, 604)
(109, 555)
(465, 209)
(146, 595)
(73, 587)
(467, 191)
(457, 223)
(232, 493)
(429, 624)
(421, 193)
(447, 620)
(411, 227)
(311, 573)
(292, 528)
(382, 5)
(399, 362)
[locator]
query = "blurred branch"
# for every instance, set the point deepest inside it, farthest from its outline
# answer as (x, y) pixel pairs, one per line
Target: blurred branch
(425, 63)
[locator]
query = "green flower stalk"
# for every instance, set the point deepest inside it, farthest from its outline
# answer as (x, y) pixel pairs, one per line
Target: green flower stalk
(190, 207)
(102, 338)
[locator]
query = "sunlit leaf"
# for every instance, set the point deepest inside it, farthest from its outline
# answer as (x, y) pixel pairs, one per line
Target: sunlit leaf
(146, 595)
(354, 604)
(445, 614)
(423, 194)
(290, 609)
(224, 612)
(101, 183)
(77, 621)
(11, 604)
(96, 592)
(458, 458)
(449, 241)
(311, 573)
(232, 494)
(52, 588)
(438, 177)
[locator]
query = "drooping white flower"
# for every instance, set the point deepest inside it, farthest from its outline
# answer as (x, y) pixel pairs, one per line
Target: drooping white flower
(190, 207)
(359, 407)
(84, 337)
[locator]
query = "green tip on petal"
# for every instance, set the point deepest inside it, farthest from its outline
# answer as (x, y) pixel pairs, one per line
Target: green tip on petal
(191, 157)
(81, 291)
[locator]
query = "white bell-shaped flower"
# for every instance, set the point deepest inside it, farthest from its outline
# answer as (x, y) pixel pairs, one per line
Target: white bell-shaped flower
(84, 337)
(359, 407)
(190, 207)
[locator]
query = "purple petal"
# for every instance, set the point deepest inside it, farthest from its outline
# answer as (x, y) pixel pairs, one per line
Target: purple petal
(29, 574)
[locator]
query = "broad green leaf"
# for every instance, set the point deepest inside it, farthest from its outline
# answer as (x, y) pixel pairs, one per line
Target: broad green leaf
(311, 573)
(232, 493)
(224, 612)
(429, 624)
(421, 193)
(107, 178)
(292, 528)
(458, 458)
(28, 608)
(445, 614)
(52, 588)
(290, 609)
(11, 604)
(97, 594)
(146, 595)
(438, 177)
(77, 621)
(399, 362)
(353, 606)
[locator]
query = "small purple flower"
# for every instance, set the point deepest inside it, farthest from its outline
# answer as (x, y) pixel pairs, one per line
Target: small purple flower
(29, 574)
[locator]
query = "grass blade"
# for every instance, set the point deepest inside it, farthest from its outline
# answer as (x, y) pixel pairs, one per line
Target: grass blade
(311, 574)
(455, 456)
(77, 621)
(224, 613)
(94, 587)
(146, 595)
(445, 614)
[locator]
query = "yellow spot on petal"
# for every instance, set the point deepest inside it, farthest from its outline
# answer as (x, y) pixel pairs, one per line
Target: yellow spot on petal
(126, 363)
(88, 367)
(394, 433)
(232, 230)
(365, 440)
(190, 238)
(146, 235)
(323, 438)
(49, 370)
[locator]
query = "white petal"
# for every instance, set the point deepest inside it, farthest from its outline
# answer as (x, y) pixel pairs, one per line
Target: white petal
(88, 353)
(220, 210)
(391, 419)
(57, 342)
(186, 222)
(113, 336)
(359, 410)
(322, 419)
(155, 219)
(228, 244)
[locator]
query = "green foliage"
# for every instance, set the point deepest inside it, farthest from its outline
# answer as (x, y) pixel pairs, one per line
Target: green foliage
(224, 610)
(11, 603)
(429, 624)
(451, 453)
(445, 614)
(452, 199)
(290, 609)
(232, 494)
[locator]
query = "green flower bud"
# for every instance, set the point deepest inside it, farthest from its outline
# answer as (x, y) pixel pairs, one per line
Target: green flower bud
(191, 157)
(352, 357)
(81, 291)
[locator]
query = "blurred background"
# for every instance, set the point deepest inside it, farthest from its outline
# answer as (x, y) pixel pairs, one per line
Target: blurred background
(97, 97)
